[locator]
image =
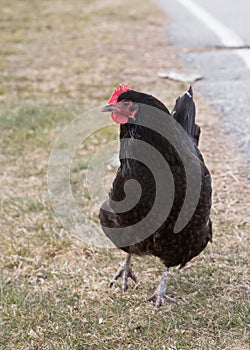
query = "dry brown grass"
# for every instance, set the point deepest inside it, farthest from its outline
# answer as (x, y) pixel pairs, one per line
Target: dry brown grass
(60, 59)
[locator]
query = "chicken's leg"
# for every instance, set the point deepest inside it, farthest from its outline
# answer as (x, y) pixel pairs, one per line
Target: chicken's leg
(125, 271)
(160, 293)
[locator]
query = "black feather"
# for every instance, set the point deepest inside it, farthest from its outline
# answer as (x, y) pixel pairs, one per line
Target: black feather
(184, 113)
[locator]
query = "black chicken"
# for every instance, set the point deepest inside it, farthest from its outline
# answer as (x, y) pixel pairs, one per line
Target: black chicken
(144, 120)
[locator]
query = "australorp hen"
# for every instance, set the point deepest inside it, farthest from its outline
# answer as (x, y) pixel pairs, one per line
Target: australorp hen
(144, 120)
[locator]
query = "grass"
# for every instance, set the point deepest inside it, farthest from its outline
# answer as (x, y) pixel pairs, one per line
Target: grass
(59, 60)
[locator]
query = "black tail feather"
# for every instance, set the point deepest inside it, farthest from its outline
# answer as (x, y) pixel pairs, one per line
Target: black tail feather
(184, 113)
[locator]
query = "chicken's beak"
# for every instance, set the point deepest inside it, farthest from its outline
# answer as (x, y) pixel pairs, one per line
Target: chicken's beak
(108, 108)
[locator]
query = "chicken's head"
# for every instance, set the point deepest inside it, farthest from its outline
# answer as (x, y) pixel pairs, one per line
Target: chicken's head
(121, 108)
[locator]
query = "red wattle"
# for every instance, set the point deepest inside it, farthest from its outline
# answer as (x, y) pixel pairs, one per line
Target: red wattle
(119, 118)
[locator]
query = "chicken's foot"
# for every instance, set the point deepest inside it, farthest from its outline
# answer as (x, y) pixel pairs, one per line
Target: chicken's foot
(160, 293)
(125, 271)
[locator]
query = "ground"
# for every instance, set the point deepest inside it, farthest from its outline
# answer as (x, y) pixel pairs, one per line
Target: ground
(60, 59)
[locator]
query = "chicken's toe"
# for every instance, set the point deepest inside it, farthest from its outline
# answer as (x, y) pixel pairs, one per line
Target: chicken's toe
(160, 293)
(125, 271)
(158, 299)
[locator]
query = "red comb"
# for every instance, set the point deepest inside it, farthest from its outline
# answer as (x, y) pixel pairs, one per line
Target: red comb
(118, 90)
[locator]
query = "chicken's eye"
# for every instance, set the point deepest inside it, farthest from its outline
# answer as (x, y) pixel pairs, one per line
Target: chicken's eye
(125, 103)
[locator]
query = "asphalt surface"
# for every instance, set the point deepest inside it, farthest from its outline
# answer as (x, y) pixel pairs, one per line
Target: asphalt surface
(226, 75)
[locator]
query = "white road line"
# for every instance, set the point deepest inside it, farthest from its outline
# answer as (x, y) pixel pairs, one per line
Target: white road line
(245, 55)
(228, 37)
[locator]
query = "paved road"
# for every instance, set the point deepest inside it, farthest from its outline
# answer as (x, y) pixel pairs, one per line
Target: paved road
(211, 25)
